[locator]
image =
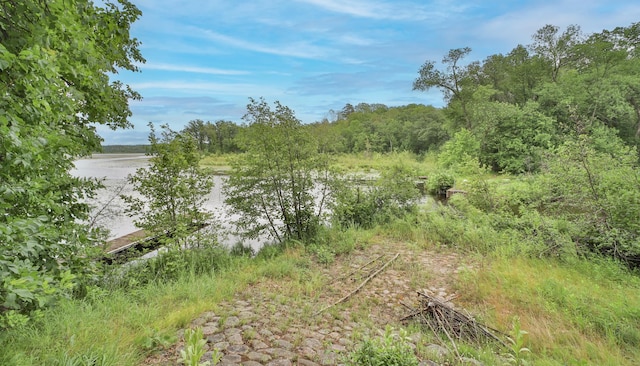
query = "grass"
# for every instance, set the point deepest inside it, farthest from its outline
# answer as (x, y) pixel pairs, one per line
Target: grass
(119, 324)
(376, 162)
(219, 163)
(576, 310)
(582, 311)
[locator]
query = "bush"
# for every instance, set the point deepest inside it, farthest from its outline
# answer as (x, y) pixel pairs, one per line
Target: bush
(457, 151)
(438, 183)
(391, 196)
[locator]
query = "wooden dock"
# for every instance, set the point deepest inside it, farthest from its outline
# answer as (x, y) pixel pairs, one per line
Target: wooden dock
(125, 242)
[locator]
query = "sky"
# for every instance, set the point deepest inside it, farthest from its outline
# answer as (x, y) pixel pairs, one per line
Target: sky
(205, 59)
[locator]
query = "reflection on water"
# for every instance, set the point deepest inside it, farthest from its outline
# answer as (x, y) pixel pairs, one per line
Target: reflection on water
(109, 207)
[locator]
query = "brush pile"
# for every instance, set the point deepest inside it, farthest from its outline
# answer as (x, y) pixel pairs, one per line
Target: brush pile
(442, 318)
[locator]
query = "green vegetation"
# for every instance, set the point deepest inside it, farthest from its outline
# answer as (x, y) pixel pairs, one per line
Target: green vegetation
(194, 349)
(271, 185)
(55, 88)
(391, 349)
(125, 149)
(172, 190)
(543, 142)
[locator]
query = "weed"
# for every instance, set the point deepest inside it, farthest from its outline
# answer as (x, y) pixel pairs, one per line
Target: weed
(517, 343)
(249, 334)
(157, 341)
(391, 349)
(324, 254)
(91, 358)
(194, 349)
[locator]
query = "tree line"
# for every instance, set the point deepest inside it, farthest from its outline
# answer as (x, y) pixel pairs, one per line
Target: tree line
(511, 108)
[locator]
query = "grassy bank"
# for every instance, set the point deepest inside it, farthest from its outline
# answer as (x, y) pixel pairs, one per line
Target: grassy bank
(578, 309)
(578, 312)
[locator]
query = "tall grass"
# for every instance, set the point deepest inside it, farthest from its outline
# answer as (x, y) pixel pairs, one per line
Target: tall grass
(577, 308)
(377, 162)
(121, 325)
(586, 311)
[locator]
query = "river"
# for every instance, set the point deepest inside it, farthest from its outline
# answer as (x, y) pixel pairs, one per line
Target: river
(108, 207)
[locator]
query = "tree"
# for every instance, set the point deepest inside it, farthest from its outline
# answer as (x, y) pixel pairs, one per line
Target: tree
(512, 138)
(56, 58)
(197, 129)
(593, 181)
(279, 187)
(451, 82)
(225, 135)
(556, 49)
(172, 190)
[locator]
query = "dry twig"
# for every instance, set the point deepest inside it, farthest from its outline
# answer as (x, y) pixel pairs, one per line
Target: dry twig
(440, 316)
(359, 287)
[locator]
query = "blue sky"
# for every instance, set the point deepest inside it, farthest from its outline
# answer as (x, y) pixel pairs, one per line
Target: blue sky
(206, 58)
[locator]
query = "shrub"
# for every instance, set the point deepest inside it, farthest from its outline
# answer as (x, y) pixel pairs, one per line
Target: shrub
(391, 196)
(438, 183)
(462, 146)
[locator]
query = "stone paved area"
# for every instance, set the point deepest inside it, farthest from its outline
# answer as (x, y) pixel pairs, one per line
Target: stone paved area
(268, 325)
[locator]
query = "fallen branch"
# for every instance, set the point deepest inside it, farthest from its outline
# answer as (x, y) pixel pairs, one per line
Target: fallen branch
(440, 316)
(357, 269)
(359, 287)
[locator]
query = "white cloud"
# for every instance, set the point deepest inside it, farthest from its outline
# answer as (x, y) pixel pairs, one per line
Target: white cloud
(390, 10)
(298, 49)
(206, 88)
(518, 26)
(190, 69)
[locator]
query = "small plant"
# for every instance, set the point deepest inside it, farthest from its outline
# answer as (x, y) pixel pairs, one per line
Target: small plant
(157, 341)
(390, 350)
(324, 254)
(194, 349)
(517, 341)
(438, 183)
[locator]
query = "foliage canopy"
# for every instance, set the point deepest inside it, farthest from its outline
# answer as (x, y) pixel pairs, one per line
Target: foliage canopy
(55, 61)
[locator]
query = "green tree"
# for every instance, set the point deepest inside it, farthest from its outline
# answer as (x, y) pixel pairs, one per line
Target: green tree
(457, 152)
(593, 181)
(556, 49)
(172, 190)
(515, 76)
(225, 137)
(197, 129)
(56, 58)
(451, 83)
(328, 136)
(279, 186)
(512, 139)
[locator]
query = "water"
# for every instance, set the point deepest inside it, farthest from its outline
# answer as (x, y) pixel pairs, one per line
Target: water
(108, 207)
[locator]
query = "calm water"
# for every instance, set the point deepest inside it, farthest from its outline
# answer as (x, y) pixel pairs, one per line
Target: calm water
(109, 207)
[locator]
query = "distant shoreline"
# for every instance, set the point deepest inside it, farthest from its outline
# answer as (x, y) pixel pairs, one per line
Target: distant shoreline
(125, 149)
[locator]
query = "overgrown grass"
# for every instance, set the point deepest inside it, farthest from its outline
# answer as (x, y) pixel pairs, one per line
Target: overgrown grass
(126, 319)
(377, 162)
(586, 311)
(576, 310)
(217, 162)
(120, 325)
